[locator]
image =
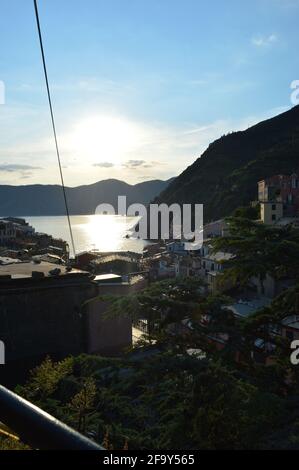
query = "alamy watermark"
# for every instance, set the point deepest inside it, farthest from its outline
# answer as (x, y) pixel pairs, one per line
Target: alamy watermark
(2, 92)
(295, 93)
(2, 353)
(294, 357)
(160, 221)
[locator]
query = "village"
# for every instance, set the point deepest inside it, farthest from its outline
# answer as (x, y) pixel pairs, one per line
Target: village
(36, 270)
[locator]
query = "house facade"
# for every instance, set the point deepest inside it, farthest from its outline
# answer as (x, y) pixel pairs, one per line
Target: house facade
(278, 196)
(7, 232)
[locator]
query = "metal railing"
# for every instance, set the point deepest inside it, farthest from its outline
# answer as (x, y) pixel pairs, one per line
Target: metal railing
(37, 428)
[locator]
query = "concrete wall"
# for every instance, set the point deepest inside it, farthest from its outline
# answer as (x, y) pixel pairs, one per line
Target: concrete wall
(109, 335)
(270, 210)
(43, 317)
(58, 317)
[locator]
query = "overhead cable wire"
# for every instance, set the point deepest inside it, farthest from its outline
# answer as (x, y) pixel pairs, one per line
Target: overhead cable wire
(53, 124)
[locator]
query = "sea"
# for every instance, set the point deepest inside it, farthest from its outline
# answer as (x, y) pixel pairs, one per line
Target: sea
(106, 233)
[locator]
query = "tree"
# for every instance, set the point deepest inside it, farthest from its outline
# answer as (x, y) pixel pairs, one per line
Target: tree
(169, 400)
(82, 403)
(259, 250)
(247, 212)
(44, 379)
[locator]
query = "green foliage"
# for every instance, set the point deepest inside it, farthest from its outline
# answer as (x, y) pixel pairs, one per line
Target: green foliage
(167, 401)
(159, 396)
(232, 413)
(12, 444)
(248, 212)
(259, 249)
(45, 378)
(82, 403)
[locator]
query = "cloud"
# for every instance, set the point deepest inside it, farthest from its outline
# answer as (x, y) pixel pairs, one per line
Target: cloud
(155, 148)
(264, 41)
(83, 84)
(133, 164)
(25, 176)
(136, 164)
(199, 82)
(18, 171)
(14, 167)
(104, 165)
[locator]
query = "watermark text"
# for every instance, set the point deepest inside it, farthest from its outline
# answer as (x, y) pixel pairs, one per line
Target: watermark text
(295, 93)
(160, 221)
(2, 353)
(2, 92)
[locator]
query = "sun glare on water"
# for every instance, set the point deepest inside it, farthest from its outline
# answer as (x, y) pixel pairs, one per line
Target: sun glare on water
(107, 232)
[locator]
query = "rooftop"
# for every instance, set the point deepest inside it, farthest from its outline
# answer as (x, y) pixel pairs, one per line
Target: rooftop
(291, 321)
(107, 278)
(219, 256)
(6, 260)
(24, 270)
(245, 307)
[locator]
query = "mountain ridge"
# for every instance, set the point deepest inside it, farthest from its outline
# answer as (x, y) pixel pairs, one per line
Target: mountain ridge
(40, 199)
(225, 176)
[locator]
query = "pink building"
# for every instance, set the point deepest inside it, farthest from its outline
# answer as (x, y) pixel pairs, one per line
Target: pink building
(283, 189)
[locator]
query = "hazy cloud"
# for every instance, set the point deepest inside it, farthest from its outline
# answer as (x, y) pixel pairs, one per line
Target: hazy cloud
(14, 167)
(264, 41)
(134, 164)
(104, 165)
(173, 148)
(25, 176)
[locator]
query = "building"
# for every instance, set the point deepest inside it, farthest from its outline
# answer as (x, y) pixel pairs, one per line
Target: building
(271, 212)
(246, 305)
(84, 258)
(22, 227)
(270, 286)
(205, 264)
(51, 310)
(160, 266)
(218, 228)
(278, 196)
(109, 334)
(8, 231)
(212, 268)
(176, 247)
(189, 265)
(49, 258)
(40, 314)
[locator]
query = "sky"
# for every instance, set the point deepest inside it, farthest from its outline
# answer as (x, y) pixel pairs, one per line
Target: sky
(139, 87)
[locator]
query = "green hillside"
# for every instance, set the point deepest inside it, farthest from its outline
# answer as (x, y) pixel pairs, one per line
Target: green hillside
(226, 174)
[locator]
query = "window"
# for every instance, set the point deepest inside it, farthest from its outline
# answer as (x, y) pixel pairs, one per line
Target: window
(273, 217)
(289, 334)
(212, 267)
(274, 207)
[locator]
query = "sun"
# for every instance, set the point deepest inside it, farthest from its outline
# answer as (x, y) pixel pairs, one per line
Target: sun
(105, 139)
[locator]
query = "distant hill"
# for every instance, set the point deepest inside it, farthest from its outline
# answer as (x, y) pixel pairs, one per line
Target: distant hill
(40, 199)
(226, 174)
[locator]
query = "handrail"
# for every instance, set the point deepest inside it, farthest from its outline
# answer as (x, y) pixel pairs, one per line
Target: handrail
(37, 428)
